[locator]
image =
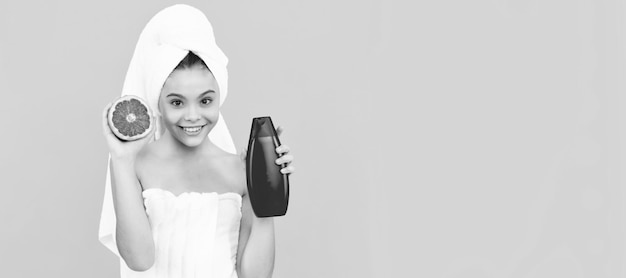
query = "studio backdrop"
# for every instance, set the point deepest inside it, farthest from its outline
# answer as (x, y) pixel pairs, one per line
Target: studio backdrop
(431, 138)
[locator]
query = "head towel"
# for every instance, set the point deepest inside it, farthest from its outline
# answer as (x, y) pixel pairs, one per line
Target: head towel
(163, 43)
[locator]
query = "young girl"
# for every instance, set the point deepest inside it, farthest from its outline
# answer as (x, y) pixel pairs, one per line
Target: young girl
(176, 204)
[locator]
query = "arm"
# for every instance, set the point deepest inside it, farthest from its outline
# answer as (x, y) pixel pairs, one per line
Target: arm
(133, 232)
(133, 235)
(255, 254)
(256, 250)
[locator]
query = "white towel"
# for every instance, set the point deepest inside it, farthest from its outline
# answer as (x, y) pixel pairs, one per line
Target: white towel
(163, 43)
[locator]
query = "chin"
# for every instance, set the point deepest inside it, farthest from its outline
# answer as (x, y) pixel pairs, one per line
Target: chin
(192, 143)
(195, 140)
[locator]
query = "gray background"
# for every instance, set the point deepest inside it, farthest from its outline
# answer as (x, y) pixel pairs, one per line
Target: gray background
(432, 139)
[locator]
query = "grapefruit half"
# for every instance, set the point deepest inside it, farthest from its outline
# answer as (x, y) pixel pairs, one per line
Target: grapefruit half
(130, 118)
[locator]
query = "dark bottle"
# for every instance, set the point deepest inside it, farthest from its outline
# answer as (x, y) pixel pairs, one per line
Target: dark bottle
(268, 188)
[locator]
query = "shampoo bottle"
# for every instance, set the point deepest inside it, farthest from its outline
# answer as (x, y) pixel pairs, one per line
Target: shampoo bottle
(268, 188)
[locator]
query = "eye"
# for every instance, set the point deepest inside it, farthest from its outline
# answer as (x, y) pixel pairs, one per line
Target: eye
(176, 102)
(206, 101)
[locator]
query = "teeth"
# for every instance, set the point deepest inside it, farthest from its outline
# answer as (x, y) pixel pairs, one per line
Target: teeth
(191, 129)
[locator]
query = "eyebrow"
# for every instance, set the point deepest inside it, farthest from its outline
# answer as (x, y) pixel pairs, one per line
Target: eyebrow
(181, 96)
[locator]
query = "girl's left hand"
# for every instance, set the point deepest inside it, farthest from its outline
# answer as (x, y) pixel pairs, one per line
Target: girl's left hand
(283, 155)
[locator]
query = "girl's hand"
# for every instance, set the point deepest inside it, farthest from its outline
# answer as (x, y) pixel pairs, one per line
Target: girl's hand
(120, 149)
(284, 156)
(283, 153)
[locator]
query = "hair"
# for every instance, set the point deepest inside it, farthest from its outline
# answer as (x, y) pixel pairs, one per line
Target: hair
(190, 61)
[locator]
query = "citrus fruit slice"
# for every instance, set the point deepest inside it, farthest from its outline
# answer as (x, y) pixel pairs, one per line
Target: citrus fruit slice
(130, 118)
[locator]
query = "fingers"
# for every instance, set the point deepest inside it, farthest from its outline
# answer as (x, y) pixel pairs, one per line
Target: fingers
(105, 120)
(243, 154)
(279, 130)
(288, 170)
(284, 159)
(153, 135)
(282, 149)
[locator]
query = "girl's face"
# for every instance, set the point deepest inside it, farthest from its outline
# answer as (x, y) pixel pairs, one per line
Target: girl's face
(189, 104)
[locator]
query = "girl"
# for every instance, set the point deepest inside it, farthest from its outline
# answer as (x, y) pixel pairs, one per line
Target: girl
(176, 204)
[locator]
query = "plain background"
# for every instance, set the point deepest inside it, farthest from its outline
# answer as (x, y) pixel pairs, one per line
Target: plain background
(431, 138)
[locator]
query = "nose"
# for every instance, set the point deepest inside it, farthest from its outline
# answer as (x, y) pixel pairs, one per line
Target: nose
(192, 114)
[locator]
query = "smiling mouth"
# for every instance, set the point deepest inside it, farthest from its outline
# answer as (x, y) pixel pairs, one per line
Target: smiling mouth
(192, 130)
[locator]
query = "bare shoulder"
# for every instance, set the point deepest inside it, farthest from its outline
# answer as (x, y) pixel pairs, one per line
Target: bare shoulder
(145, 161)
(235, 168)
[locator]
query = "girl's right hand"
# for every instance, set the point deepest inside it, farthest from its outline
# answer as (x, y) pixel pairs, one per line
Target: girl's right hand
(120, 149)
